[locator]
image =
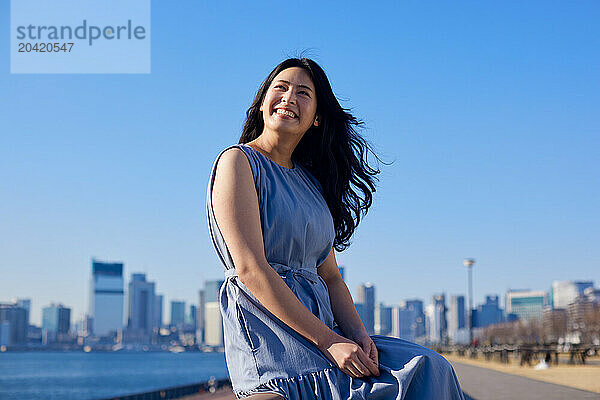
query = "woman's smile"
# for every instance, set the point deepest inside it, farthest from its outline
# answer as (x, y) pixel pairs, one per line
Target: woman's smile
(285, 113)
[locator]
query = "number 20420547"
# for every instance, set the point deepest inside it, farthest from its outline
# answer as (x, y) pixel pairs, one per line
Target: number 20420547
(45, 47)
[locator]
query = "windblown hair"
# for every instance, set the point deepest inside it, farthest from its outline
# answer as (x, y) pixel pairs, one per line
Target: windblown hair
(334, 152)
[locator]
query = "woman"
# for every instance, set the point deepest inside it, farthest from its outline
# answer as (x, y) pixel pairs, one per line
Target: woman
(279, 204)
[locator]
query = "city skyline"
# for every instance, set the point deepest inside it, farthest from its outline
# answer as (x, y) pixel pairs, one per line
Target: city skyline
(487, 114)
(359, 298)
(561, 311)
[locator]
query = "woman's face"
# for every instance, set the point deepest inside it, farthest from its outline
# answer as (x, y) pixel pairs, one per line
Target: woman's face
(290, 104)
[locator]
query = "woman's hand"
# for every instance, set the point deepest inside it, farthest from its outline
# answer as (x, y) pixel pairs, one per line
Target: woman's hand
(349, 357)
(367, 345)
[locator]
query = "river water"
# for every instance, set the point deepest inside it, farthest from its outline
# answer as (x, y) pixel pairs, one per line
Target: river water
(86, 376)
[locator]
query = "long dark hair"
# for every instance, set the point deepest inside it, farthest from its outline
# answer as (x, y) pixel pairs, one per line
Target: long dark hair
(334, 152)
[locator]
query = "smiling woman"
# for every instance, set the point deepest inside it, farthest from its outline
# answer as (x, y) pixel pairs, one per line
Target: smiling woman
(279, 204)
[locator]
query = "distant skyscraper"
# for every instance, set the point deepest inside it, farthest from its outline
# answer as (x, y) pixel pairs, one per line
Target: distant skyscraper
(106, 298)
(416, 307)
(526, 304)
(158, 311)
(141, 319)
(211, 290)
(56, 318)
(26, 304)
(14, 321)
(360, 309)
(403, 323)
(456, 318)
(213, 331)
(408, 320)
(488, 313)
(192, 317)
(366, 297)
(564, 293)
(213, 323)
(5, 333)
(177, 313)
(200, 318)
(430, 322)
(383, 320)
(437, 322)
(396, 321)
(56, 321)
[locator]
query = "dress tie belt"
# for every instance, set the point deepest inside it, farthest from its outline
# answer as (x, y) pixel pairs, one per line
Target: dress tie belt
(309, 274)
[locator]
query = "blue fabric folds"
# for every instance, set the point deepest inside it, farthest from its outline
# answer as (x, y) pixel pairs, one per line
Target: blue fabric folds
(263, 354)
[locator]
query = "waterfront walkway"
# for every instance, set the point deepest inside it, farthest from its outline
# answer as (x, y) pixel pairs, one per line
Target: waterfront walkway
(486, 384)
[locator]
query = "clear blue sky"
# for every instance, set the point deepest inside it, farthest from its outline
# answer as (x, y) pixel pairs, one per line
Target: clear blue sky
(490, 113)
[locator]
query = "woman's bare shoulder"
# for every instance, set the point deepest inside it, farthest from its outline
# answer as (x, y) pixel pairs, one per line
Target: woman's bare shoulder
(232, 161)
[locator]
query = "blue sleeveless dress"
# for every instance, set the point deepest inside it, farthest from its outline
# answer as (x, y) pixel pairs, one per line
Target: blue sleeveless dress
(263, 354)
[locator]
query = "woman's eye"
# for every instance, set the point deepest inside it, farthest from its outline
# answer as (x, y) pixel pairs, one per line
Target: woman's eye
(279, 86)
(304, 93)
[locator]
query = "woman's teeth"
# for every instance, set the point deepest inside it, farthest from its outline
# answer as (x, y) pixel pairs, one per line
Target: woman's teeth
(285, 112)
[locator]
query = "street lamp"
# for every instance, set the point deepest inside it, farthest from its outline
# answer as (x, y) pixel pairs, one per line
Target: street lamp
(468, 262)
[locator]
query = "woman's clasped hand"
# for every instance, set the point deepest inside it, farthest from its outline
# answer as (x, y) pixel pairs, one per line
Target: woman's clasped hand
(349, 357)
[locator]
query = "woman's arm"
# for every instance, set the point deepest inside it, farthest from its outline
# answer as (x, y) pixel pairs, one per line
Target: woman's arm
(343, 307)
(235, 205)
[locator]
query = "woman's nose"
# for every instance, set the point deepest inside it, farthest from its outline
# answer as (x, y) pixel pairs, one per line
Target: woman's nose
(289, 97)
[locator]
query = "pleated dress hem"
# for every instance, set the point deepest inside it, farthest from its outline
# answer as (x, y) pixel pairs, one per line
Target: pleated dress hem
(298, 384)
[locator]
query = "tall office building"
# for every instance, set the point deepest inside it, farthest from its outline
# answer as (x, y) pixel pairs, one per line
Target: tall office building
(142, 316)
(415, 306)
(488, 313)
(360, 310)
(429, 324)
(5, 333)
(213, 331)
(200, 318)
(437, 319)
(383, 320)
(213, 322)
(408, 320)
(158, 311)
(56, 318)
(192, 320)
(56, 322)
(366, 297)
(403, 323)
(178, 313)
(106, 298)
(457, 329)
(26, 304)
(14, 323)
(525, 304)
(211, 290)
(564, 293)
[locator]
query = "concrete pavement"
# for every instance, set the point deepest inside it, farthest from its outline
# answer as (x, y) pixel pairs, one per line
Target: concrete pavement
(486, 384)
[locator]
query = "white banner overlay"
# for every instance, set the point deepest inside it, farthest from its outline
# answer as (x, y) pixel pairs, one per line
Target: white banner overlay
(80, 36)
